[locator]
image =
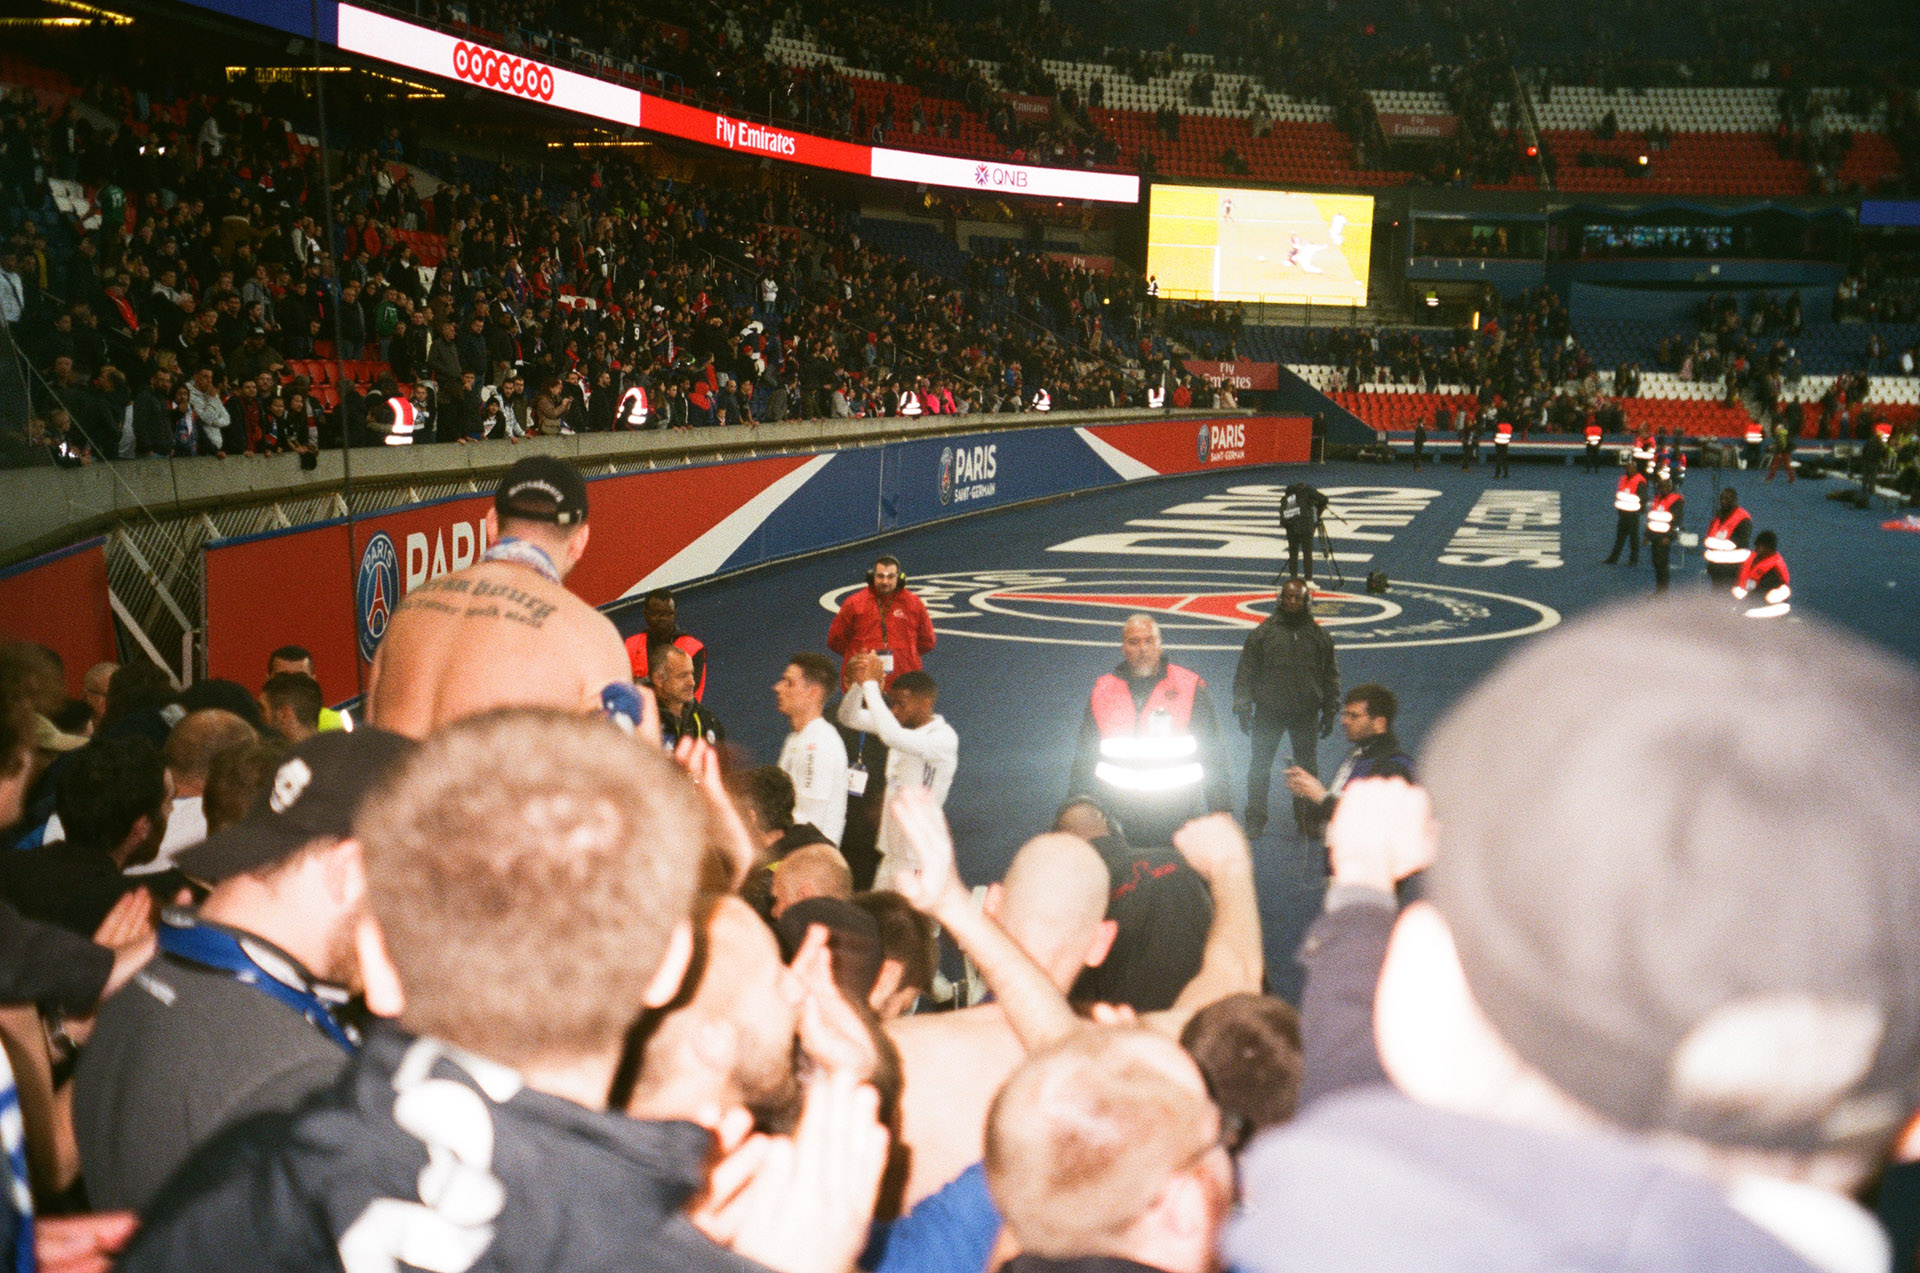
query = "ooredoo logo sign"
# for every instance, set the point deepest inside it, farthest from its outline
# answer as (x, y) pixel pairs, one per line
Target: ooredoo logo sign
(391, 40)
(490, 68)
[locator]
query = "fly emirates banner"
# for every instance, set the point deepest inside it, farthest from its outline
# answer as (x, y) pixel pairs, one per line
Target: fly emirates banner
(418, 48)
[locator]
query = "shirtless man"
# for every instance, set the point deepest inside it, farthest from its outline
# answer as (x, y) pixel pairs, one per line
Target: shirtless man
(505, 632)
(1053, 904)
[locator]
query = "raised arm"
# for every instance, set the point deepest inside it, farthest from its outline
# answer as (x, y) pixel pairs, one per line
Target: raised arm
(928, 746)
(1233, 960)
(1035, 1008)
(1381, 833)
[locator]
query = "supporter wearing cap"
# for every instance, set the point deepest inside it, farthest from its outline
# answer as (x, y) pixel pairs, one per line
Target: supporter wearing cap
(1672, 1031)
(520, 918)
(505, 631)
(236, 1014)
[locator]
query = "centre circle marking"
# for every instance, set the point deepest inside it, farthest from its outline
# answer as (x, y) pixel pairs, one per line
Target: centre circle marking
(1056, 606)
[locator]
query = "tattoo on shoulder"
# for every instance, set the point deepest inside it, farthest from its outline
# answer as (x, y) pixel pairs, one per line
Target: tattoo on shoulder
(489, 601)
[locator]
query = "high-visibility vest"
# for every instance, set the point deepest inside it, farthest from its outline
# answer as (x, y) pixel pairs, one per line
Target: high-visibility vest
(1626, 496)
(1885, 429)
(637, 658)
(909, 403)
(1156, 398)
(1660, 514)
(634, 408)
(1503, 434)
(1754, 434)
(1152, 748)
(1718, 547)
(1643, 448)
(1593, 435)
(1769, 571)
(403, 423)
(1042, 400)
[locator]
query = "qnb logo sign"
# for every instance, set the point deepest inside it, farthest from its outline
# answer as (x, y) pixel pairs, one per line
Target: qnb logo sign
(736, 134)
(997, 175)
(967, 473)
(504, 72)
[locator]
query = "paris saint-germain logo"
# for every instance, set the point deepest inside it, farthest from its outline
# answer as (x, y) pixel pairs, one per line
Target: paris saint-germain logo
(946, 475)
(1200, 444)
(376, 592)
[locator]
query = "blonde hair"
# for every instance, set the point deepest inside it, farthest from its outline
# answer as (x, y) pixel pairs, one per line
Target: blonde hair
(1085, 1135)
(528, 869)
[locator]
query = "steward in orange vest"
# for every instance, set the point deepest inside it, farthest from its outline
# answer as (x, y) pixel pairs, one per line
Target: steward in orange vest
(1150, 751)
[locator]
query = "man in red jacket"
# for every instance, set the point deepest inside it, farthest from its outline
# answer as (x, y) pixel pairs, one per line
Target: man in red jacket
(886, 618)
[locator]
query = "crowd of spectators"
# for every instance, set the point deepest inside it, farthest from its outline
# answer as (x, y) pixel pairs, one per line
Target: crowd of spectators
(620, 1005)
(716, 55)
(1885, 288)
(184, 321)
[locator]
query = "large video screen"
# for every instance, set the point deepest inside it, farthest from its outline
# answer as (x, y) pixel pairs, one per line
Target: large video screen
(1280, 247)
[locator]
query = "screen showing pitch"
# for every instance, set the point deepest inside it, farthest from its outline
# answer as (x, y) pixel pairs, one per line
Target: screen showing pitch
(1281, 247)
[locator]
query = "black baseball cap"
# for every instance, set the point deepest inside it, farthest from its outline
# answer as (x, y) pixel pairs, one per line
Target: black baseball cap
(314, 794)
(542, 488)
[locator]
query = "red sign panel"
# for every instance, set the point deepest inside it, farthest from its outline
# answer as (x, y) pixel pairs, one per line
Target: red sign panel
(1402, 127)
(313, 588)
(1030, 106)
(1240, 374)
(1189, 446)
(677, 119)
(1084, 261)
(60, 601)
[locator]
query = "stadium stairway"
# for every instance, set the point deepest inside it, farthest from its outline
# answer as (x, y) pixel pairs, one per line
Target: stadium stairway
(1296, 397)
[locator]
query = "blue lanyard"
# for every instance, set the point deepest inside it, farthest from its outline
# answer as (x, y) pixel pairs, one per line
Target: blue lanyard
(202, 943)
(525, 554)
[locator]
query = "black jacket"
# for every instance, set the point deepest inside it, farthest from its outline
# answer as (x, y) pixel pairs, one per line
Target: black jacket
(581, 1190)
(1289, 670)
(1381, 756)
(1301, 506)
(152, 425)
(45, 963)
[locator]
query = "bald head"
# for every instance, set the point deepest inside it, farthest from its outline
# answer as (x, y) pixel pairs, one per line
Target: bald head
(196, 740)
(813, 870)
(1053, 901)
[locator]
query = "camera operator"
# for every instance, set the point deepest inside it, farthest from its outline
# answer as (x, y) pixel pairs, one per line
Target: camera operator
(1300, 508)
